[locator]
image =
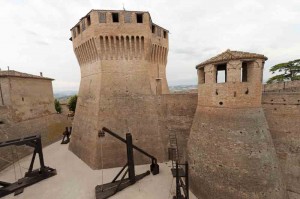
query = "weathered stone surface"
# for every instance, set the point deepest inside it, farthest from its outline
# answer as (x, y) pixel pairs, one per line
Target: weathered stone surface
(232, 155)
(282, 110)
(230, 149)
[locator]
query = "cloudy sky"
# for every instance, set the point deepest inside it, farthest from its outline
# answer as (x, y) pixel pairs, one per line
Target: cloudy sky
(35, 34)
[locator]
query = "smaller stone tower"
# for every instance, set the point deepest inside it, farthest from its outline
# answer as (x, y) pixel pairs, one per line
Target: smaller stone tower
(230, 149)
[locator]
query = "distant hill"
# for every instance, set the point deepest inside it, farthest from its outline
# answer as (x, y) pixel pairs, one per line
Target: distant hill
(61, 95)
(64, 94)
(183, 89)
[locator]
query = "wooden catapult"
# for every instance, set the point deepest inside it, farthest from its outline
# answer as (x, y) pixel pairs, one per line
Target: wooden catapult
(106, 190)
(31, 176)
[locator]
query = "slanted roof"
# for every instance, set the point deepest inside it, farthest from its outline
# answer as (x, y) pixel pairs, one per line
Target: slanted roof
(13, 73)
(231, 55)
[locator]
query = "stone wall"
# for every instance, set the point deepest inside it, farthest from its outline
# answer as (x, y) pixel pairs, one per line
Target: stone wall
(30, 98)
(50, 127)
(176, 117)
(282, 110)
(291, 86)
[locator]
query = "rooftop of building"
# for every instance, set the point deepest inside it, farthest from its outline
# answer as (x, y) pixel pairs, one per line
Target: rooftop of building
(99, 10)
(13, 73)
(231, 55)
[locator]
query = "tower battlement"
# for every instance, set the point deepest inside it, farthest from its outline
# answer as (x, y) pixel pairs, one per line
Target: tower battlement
(117, 35)
(114, 36)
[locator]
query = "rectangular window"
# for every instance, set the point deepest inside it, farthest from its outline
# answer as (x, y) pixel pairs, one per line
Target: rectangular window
(115, 17)
(139, 18)
(127, 17)
(83, 25)
(165, 34)
(221, 73)
(244, 72)
(153, 29)
(88, 19)
(102, 17)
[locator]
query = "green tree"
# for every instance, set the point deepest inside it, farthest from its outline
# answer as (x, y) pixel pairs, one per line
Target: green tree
(57, 106)
(291, 71)
(72, 103)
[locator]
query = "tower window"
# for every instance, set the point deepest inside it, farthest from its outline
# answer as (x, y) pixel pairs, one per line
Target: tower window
(88, 19)
(165, 34)
(244, 72)
(102, 17)
(153, 28)
(139, 18)
(221, 74)
(127, 17)
(115, 17)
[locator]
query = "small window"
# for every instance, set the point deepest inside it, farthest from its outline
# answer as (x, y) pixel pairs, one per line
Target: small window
(83, 25)
(165, 34)
(88, 19)
(115, 17)
(153, 29)
(102, 17)
(139, 18)
(221, 74)
(127, 17)
(244, 72)
(78, 29)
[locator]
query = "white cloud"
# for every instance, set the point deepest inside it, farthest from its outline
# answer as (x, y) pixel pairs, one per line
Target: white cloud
(34, 34)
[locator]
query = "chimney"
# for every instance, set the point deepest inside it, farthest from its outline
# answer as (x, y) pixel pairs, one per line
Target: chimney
(7, 67)
(41, 74)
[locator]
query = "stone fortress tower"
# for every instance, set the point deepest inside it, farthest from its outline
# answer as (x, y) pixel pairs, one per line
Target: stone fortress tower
(230, 148)
(122, 57)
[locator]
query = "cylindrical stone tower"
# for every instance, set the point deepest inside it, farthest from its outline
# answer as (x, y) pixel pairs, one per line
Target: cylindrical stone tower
(122, 57)
(230, 149)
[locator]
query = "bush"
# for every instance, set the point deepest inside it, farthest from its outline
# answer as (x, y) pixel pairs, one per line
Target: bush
(57, 106)
(72, 103)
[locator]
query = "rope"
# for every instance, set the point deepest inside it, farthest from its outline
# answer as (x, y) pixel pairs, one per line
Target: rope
(170, 191)
(16, 151)
(10, 162)
(12, 153)
(101, 164)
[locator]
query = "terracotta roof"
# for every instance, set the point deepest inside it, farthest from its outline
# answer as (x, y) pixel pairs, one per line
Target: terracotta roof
(13, 73)
(231, 55)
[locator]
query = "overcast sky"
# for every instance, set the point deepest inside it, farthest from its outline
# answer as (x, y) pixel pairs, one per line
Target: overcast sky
(35, 34)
